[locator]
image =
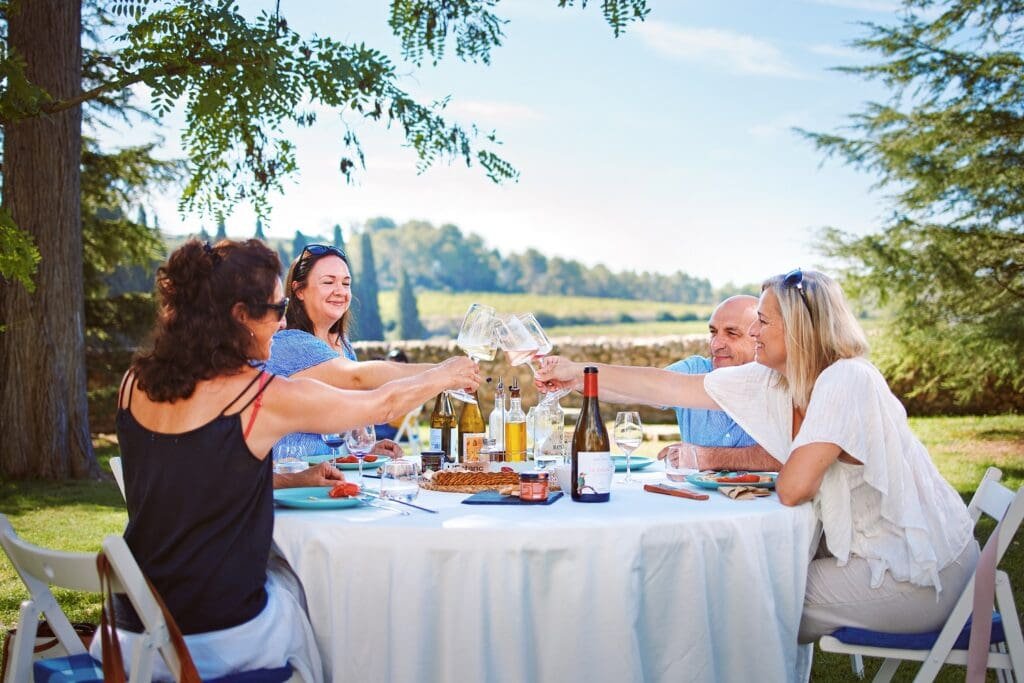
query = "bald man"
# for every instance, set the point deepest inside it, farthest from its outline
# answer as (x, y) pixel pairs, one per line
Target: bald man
(722, 443)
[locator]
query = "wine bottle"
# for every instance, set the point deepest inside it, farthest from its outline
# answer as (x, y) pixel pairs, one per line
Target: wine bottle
(591, 456)
(496, 421)
(515, 426)
(442, 422)
(471, 431)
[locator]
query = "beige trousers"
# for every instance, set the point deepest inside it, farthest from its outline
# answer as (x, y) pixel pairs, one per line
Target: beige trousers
(842, 596)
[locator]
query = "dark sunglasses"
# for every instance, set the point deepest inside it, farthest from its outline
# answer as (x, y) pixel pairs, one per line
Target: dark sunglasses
(281, 307)
(795, 278)
(321, 249)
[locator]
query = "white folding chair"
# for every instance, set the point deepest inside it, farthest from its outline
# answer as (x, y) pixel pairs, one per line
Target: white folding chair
(40, 568)
(949, 645)
(118, 471)
(408, 426)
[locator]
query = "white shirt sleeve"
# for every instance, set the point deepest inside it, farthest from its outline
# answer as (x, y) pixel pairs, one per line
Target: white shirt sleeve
(751, 395)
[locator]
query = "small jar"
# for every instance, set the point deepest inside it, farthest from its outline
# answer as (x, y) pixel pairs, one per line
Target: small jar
(432, 460)
(533, 487)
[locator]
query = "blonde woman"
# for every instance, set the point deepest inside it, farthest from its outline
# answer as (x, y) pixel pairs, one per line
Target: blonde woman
(899, 541)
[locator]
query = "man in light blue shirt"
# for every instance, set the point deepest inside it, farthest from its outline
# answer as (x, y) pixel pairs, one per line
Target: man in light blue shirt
(726, 444)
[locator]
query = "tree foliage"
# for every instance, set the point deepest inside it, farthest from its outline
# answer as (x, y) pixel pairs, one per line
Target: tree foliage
(949, 145)
(409, 324)
(368, 325)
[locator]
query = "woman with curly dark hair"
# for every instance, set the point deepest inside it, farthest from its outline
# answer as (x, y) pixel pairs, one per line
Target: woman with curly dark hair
(197, 417)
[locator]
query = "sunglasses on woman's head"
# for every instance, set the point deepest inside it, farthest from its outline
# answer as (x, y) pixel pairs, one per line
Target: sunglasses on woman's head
(321, 249)
(281, 307)
(795, 278)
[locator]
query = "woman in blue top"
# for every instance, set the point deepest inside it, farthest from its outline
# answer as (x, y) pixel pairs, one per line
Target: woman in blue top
(316, 346)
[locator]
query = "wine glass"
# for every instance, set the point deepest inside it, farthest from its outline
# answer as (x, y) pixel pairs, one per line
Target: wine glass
(477, 339)
(518, 343)
(334, 442)
(629, 432)
(360, 441)
(542, 346)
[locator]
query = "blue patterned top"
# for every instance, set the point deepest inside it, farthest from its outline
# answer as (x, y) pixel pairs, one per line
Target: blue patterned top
(706, 427)
(294, 351)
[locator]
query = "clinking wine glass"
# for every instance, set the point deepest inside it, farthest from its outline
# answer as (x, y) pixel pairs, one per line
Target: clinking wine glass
(477, 339)
(360, 441)
(629, 433)
(526, 340)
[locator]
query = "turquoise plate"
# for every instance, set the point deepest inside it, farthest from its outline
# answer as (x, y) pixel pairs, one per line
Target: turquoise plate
(706, 480)
(347, 466)
(636, 462)
(312, 498)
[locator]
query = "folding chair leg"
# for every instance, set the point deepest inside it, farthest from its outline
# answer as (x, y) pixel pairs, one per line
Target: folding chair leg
(1002, 675)
(857, 664)
(1011, 624)
(886, 671)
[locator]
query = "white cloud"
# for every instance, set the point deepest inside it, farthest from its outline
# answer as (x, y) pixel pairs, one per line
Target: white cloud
(486, 113)
(728, 50)
(862, 5)
(839, 52)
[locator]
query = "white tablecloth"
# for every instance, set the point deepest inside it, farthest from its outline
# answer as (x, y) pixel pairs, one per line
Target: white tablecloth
(644, 588)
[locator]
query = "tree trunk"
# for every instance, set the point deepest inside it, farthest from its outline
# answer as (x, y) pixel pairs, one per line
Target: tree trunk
(43, 406)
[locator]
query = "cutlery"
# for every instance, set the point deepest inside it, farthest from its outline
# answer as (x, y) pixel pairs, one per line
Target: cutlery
(672, 491)
(383, 506)
(400, 502)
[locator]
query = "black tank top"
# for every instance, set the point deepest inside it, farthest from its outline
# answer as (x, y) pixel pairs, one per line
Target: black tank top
(200, 519)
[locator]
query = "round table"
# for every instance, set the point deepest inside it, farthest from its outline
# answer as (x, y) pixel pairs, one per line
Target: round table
(645, 587)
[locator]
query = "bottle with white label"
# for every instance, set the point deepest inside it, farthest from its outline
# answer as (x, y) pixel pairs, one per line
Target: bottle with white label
(496, 421)
(592, 467)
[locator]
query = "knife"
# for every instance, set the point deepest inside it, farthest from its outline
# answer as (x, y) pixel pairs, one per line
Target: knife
(402, 502)
(680, 493)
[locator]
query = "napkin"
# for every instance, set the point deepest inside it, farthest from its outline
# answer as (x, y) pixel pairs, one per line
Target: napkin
(744, 492)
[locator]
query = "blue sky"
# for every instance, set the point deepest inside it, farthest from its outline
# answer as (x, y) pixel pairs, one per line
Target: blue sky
(666, 149)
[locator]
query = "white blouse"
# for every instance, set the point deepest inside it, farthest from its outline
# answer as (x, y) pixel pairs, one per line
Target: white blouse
(895, 510)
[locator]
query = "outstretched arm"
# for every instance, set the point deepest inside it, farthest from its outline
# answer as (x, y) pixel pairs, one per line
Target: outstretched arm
(725, 458)
(348, 374)
(630, 384)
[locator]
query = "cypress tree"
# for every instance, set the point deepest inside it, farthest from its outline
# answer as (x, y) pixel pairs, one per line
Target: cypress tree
(365, 307)
(222, 232)
(298, 244)
(339, 240)
(409, 324)
(260, 235)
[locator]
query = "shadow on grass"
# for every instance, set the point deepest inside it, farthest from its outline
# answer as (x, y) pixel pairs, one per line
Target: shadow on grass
(19, 497)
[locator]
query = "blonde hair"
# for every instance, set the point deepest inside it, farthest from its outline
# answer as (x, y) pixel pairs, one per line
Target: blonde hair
(818, 333)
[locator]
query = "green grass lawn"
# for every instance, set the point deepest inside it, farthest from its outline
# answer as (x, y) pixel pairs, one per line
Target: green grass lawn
(77, 515)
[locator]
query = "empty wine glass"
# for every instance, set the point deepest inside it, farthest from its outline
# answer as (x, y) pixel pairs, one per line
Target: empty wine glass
(477, 339)
(360, 441)
(629, 433)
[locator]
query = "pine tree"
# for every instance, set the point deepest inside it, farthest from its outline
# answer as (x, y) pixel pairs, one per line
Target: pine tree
(260, 235)
(222, 231)
(365, 307)
(409, 324)
(948, 265)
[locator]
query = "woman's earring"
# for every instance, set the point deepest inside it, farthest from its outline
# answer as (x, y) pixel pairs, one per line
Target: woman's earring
(251, 333)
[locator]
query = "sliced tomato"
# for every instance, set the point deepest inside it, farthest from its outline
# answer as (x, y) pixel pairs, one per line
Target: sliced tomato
(370, 458)
(345, 489)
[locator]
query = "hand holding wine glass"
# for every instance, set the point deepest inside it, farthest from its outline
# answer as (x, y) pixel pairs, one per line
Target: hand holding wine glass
(360, 442)
(478, 340)
(629, 433)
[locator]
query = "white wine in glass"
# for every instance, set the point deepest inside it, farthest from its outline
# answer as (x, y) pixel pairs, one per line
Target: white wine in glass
(629, 434)
(477, 339)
